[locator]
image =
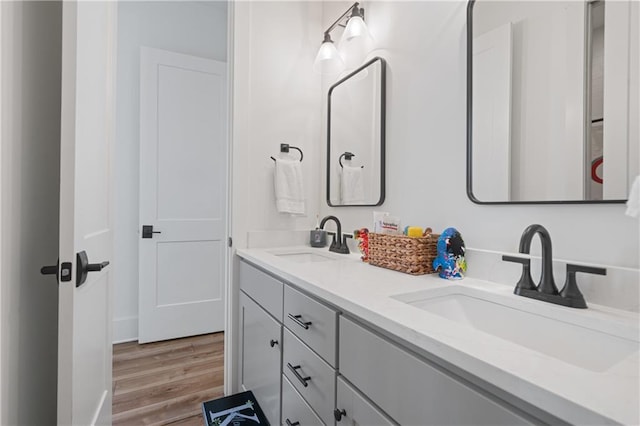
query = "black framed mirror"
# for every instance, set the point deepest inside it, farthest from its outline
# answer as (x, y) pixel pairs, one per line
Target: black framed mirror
(356, 137)
(549, 100)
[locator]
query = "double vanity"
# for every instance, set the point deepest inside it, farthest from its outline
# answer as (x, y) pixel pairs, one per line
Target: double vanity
(328, 339)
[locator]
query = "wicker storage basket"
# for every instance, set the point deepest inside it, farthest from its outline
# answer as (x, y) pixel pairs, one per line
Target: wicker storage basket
(404, 254)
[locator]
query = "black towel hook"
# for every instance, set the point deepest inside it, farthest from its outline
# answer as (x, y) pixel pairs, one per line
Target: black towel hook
(347, 156)
(284, 147)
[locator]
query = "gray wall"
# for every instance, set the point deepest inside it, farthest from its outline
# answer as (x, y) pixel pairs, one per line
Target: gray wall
(31, 49)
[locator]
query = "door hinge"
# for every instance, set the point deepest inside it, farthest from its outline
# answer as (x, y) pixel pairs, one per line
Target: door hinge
(230, 242)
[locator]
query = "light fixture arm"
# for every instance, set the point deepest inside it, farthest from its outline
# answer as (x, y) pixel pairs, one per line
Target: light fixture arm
(353, 9)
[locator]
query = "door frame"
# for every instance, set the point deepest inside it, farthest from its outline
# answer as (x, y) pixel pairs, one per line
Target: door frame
(2, 214)
(230, 296)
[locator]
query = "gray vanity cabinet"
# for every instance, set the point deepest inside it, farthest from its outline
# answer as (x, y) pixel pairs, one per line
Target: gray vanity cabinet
(290, 369)
(309, 364)
(411, 390)
(260, 364)
(260, 324)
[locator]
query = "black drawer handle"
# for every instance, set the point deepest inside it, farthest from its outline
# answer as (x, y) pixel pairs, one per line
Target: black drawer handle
(294, 370)
(272, 343)
(337, 414)
(297, 320)
(292, 424)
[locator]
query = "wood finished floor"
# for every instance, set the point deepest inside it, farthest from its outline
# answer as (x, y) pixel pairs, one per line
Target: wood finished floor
(165, 383)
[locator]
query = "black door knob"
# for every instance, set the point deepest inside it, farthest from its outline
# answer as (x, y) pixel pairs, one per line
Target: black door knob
(147, 231)
(65, 271)
(50, 270)
(338, 414)
(83, 267)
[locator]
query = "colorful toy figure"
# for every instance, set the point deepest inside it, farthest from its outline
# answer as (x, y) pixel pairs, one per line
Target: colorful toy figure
(450, 258)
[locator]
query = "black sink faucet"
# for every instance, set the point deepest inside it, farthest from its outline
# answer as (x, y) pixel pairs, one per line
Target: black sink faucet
(339, 244)
(546, 290)
(547, 283)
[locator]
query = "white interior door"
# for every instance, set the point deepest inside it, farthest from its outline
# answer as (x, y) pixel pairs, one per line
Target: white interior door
(182, 195)
(492, 115)
(84, 317)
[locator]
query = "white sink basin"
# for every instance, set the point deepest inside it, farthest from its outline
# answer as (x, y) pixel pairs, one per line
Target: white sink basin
(305, 257)
(557, 332)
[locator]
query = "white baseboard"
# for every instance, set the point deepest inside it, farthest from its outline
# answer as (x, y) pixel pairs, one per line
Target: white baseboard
(125, 329)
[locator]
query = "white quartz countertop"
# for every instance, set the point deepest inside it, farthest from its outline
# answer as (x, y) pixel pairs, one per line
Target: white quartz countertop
(563, 389)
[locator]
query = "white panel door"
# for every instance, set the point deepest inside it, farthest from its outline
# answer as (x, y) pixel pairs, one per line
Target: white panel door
(616, 141)
(491, 166)
(182, 195)
(87, 124)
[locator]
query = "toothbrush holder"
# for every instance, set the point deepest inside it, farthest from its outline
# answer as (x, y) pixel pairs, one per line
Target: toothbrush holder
(318, 238)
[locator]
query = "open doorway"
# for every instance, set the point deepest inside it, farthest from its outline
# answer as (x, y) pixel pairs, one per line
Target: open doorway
(170, 168)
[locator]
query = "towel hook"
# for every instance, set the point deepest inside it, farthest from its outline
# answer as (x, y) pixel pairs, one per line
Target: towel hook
(284, 147)
(347, 156)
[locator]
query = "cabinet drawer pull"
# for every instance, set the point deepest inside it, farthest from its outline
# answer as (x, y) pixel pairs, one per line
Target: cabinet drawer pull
(337, 414)
(292, 424)
(297, 320)
(272, 343)
(294, 370)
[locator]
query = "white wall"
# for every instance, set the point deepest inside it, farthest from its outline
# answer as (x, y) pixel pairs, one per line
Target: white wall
(193, 28)
(276, 98)
(425, 46)
(30, 86)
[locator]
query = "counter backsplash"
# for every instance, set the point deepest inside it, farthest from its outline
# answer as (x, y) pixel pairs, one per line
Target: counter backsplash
(619, 289)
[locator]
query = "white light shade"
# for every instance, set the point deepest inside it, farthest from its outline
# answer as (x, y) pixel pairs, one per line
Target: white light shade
(328, 60)
(356, 42)
(355, 28)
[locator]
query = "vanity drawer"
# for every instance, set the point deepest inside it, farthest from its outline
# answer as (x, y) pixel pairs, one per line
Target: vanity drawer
(357, 410)
(313, 322)
(411, 390)
(263, 288)
(295, 409)
(302, 366)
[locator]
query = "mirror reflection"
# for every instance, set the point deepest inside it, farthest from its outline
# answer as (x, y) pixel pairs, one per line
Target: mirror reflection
(355, 137)
(551, 99)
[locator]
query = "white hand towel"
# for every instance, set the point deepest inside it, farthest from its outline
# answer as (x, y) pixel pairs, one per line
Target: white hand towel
(352, 185)
(633, 202)
(289, 187)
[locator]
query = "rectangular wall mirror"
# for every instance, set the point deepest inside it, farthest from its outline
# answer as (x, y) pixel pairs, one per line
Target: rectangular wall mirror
(552, 96)
(356, 137)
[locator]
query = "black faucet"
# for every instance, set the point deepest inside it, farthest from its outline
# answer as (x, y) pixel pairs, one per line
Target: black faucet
(547, 283)
(546, 289)
(339, 244)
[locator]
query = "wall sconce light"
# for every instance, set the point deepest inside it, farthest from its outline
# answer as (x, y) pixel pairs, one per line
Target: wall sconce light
(328, 59)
